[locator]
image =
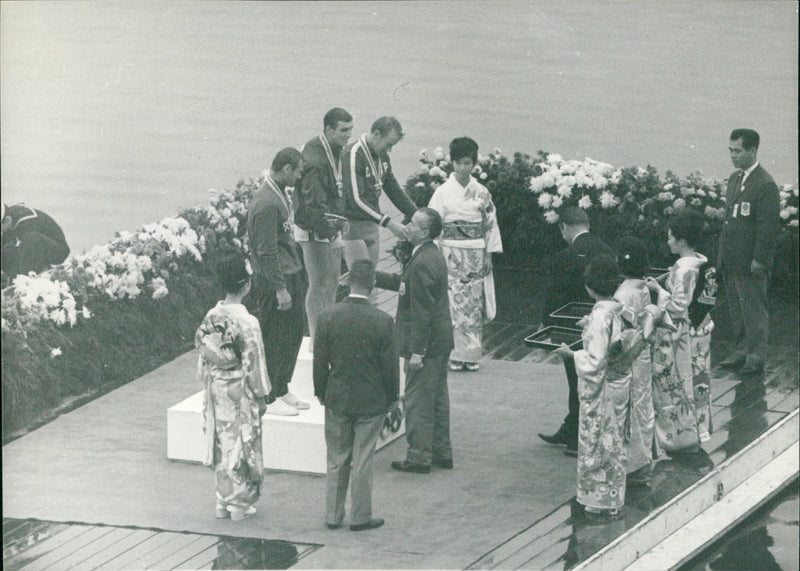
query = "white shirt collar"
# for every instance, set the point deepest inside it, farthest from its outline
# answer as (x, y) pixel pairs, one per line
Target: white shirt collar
(579, 234)
(748, 171)
(358, 295)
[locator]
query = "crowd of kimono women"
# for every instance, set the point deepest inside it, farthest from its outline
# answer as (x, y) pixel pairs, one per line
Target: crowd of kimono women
(643, 371)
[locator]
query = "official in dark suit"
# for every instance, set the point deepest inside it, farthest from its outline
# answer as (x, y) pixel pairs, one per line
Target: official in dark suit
(356, 378)
(746, 251)
(425, 339)
(568, 281)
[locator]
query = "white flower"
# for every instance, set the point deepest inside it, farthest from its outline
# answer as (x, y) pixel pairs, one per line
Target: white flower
(564, 191)
(484, 176)
(600, 181)
(545, 200)
(438, 154)
(793, 223)
(553, 158)
(712, 194)
(85, 313)
(679, 203)
(785, 214)
(423, 155)
(668, 186)
(423, 169)
(55, 352)
(668, 210)
(608, 200)
(436, 171)
(557, 202)
(551, 216)
(585, 202)
(696, 202)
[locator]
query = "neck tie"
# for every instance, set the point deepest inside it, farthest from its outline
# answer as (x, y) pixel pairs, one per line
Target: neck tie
(738, 186)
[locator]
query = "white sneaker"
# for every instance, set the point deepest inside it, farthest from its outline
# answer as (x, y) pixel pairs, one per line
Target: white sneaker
(292, 400)
(280, 408)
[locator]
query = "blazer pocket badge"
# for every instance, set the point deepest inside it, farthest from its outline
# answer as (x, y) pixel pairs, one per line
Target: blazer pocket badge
(402, 290)
(745, 209)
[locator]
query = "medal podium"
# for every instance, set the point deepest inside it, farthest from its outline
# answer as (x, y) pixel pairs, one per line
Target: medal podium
(290, 443)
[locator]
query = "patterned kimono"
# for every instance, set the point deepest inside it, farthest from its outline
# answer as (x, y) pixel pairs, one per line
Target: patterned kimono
(699, 343)
(673, 379)
(603, 390)
(640, 436)
(470, 233)
(233, 372)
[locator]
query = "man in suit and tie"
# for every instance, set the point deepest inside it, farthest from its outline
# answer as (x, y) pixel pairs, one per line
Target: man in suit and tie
(746, 251)
(567, 285)
(356, 378)
(425, 339)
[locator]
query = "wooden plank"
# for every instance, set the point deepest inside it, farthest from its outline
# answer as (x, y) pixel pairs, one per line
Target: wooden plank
(78, 556)
(22, 536)
(62, 535)
(83, 537)
(18, 553)
(127, 559)
(179, 541)
(176, 558)
(133, 539)
(720, 518)
(202, 560)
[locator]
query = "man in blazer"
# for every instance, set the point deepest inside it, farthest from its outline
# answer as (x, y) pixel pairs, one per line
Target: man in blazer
(567, 285)
(425, 339)
(356, 378)
(746, 251)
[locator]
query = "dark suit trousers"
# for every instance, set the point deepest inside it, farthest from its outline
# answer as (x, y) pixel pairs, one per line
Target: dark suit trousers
(428, 412)
(746, 298)
(282, 331)
(350, 440)
(572, 418)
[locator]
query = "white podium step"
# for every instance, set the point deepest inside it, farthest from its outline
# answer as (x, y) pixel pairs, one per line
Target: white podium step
(291, 443)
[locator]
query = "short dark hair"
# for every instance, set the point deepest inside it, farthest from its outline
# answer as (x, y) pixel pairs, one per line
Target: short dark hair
(386, 125)
(232, 272)
(632, 256)
(463, 147)
(287, 156)
(362, 274)
(602, 275)
(574, 216)
(434, 222)
(749, 137)
(687, 224)
(335, 116)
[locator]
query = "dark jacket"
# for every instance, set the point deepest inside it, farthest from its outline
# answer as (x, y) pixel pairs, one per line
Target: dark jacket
(273, 251)
(360, 186)
(423, 308)
(752, 223)
(33, 242)
(566, 282)
(317, 193)
(355, 359)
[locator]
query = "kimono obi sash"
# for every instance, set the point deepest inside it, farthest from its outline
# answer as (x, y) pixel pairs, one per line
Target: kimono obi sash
(462, 230)
(225, 375)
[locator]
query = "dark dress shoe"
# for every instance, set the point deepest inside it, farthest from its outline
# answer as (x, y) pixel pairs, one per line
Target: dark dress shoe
(559, 438)
(752, 369)
(733, 362)
(406, 466)
(447, 464)
(371, 524)
(333, 525)
(572, 450)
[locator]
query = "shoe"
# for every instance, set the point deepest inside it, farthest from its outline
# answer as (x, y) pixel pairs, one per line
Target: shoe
(333, 525)
(456, 366)
(280, 408)
(640, 477)
(752, 369)
(472, 366)
(238, 514)
(292, 400)
(221, 512)
(559, 438)
(572, 450)
(734, 361)
(371, 524)
(446, 463)
(406, 466)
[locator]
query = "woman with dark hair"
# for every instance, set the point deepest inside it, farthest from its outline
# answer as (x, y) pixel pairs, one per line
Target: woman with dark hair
(604, 375)
(469, 238)
(633, 294)
(232, 369)
(673, 380)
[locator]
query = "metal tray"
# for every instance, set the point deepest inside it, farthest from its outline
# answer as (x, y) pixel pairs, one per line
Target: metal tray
(552, 337)
(657, 273)
(573, 311)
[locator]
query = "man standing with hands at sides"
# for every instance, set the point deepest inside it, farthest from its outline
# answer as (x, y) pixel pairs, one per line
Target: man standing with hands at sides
(319, 205)
(279, 280)
(746, 251)
(425, 339)
(367, 173)
(568, 281)
(356, 378)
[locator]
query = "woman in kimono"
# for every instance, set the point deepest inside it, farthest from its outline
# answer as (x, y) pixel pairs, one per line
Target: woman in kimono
(634, 294)
(700, 328)
(604, 377)
(673, 380)
(469, 238)
(233, 372)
